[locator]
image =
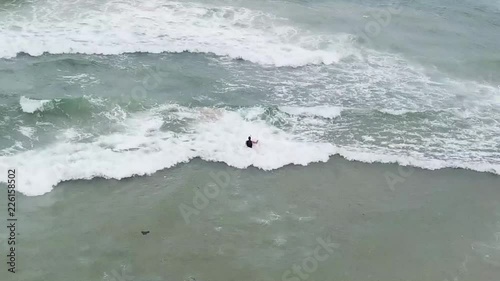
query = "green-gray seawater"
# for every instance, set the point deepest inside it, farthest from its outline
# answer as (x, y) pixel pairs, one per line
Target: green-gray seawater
(378, 128)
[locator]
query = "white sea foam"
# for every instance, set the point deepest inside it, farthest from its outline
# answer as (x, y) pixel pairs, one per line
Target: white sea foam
(141, 147)
(329, 112)
(368, 138)
(18, 146)
(362, 155)
(27, 131)
(154, 26)
(31, 106)
(83, 80)
(396, 111)
(72, 134)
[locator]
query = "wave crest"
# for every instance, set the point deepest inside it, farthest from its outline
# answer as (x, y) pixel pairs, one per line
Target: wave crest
(31, 105)
(173, 27)
(166, 135)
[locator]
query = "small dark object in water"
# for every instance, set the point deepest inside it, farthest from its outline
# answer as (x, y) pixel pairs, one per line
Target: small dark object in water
(144, 232)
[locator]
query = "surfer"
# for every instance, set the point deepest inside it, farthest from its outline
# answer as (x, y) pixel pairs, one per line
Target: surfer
(250, 142)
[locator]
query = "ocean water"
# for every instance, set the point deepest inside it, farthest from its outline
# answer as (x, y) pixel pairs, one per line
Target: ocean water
(378, 124)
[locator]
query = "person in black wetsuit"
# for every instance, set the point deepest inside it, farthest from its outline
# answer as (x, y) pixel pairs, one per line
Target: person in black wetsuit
(250, 142)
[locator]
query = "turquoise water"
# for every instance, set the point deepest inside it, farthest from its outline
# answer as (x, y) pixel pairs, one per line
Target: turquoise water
(96, 95)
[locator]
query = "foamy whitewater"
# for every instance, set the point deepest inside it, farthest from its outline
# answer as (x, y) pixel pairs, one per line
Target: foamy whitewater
(117, 89)
(139, 146)
(126, 121)
(30, 106)
(161, 26)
